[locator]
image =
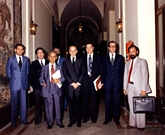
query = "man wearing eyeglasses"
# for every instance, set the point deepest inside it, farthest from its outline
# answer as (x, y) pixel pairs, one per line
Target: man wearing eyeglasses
(113, 67)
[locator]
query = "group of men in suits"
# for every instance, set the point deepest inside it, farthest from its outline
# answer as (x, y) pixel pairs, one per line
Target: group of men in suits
(78, 74)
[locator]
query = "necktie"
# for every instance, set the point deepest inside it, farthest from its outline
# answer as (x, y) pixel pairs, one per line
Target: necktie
(90, 64)
(130, 71)
(52, 71)
(42, 64)
(73, 62)
(20, 63)
(112, 60)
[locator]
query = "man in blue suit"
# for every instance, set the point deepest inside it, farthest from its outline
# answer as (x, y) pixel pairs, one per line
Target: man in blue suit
(51, 91)
(93, 68)
(17, 69)
(113, 67)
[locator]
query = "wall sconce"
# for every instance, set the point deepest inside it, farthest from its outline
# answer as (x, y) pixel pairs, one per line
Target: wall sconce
(33, 28)
(80, 28)
(119, 25)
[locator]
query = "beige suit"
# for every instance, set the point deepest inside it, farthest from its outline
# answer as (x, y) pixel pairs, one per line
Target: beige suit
(139, 77)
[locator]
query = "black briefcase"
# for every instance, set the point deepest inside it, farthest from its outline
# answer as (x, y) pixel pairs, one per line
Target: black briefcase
(144, 104)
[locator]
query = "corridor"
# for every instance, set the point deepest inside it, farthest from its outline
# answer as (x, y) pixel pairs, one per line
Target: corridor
(89, 128)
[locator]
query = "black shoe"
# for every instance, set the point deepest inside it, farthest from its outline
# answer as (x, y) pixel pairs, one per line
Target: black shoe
(36, 123)
(49, 127)
(61, 126)
(140, 129)
(13, 126)
(26, 123)
(105, 122)
(70, 125)
(93, 121)
(84, 121)
(117, 123)
(78, 124)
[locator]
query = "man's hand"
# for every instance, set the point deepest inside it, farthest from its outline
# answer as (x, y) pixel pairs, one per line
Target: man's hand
(44, 85)
(100, 85)
(124, 91)
(56, 81)
(75, 85)
(143, 92)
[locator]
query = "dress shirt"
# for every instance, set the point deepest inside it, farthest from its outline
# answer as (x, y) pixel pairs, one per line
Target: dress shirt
(43, 61)
(50, 66)
(110, 56)
(58, 60)
(72, 58)
(131, 79)
(17, 57)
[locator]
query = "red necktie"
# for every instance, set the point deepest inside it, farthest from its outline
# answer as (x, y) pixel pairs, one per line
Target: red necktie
(130, 72)
(52, 71)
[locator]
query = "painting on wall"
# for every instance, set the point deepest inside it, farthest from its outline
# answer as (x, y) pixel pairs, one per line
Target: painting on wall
(10, 34)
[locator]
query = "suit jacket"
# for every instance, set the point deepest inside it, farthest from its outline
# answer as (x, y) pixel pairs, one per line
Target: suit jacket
(71, 75)
(18, 78)
(50, 88)
(34, 75)
(96, 68)
(113, 75)
(61, 60)
(140, 75)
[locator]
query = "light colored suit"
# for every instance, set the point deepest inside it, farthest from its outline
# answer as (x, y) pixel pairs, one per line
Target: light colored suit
(51, 90)
(18, 87)
(140, 77)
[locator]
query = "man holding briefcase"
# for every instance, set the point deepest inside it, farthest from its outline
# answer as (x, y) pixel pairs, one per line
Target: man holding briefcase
(135, 84)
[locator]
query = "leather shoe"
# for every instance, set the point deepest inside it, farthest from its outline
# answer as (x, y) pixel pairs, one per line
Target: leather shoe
(49, 127)
(93, 121)
(78, 124)
(36, 123)
(105, 122)
(117, 123)
(140, 129)
(13, 126)
(70, 125)
(61, 126)
(85, 121)
(26, 123)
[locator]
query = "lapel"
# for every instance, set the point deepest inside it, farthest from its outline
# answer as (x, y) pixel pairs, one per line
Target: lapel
(16, 62)
(23, 63)
(108, 60)
(71, 66)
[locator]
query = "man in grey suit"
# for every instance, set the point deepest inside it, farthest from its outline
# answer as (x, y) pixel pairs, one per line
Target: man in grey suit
(17, 70)
(135, 84)
(51, 90)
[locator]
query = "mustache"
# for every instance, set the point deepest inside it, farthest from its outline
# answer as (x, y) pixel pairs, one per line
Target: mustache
(132, 56)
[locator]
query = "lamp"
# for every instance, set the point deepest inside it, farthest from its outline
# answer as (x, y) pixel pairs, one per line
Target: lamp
(33, 28)
(80, 27)
(119, 25)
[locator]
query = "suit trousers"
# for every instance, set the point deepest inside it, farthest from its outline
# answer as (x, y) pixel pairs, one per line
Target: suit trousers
(112, 104)
(75, 105)
(134, 119)
(53, 101)
(18, 98)
(38, 105)
(90, 102)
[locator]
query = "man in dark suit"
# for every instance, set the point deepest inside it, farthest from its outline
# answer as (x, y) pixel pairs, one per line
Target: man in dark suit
(51, 90)
(73, 69)
(17, 69)
(113, 65)
(35, 72)
(93, 68)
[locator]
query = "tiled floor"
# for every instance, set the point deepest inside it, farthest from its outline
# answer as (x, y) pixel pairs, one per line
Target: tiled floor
(89, 128)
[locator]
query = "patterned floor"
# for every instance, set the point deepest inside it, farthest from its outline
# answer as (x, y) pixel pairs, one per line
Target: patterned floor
(89, 128)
